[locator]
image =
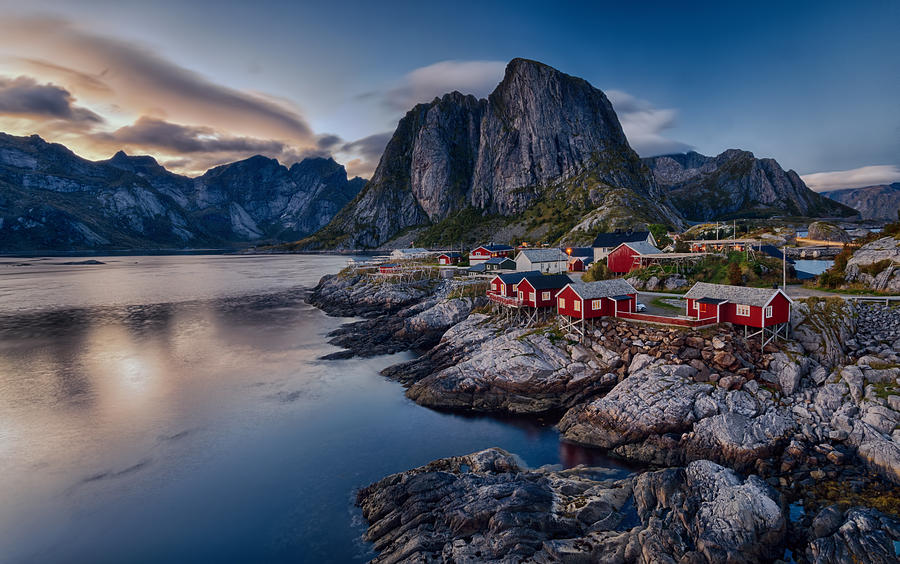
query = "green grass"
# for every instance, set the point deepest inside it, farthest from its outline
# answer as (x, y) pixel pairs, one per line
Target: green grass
(660, 302)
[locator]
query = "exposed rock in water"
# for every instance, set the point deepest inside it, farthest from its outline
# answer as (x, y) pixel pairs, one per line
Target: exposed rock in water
(823, 231)
(860, 535)
(486, 507)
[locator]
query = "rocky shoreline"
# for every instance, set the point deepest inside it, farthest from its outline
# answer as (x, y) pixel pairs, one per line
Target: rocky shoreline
(815, 420)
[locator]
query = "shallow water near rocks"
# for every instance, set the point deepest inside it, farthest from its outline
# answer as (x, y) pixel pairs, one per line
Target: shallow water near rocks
(174, 409)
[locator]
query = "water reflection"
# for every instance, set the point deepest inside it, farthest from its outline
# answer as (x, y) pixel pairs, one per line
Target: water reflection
(140, 429)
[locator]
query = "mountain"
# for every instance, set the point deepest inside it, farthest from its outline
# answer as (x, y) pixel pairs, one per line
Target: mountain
(541, 137)
(51, 199)
(737, 184)
(873, 202)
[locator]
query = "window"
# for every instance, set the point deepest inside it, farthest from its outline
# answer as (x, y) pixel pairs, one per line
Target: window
(768, 312)
(562, 303)
(697, 306)
(577, 305)
(532, 296)
(596, 304)
(545, 296)
(521, 295)
(743, 310)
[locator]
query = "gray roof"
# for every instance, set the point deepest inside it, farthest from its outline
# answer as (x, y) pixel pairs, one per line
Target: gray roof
(607, 240)
(735, 294)
(643, 247)
(603, 288)
(545, 255)
(498, 260)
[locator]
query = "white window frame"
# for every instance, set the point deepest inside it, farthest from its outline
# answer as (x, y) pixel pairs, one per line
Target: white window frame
(521, 295)
(596, 304)
(545, 296)
(562, 303)
(696, 306)
(577, 305)
(768, 312)
(533, 298)
(742, 310)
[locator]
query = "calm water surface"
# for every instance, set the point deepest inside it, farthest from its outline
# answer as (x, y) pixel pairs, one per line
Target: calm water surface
(173, 409)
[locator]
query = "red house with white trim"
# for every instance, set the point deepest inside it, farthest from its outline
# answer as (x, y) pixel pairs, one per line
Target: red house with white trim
(596, 299)
(751, 307)
(448, 258)
(628, 256)
(505, 284)
(540, 290)
(389, 268)
(485, 252)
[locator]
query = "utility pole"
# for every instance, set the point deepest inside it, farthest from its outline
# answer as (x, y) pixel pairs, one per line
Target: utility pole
(784, 269)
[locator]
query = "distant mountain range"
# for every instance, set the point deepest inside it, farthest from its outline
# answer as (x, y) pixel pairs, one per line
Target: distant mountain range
(51, 199)
(735, 184)
(879, 202)
(544, 157)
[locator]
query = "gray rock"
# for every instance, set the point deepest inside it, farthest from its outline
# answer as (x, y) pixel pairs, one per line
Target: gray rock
(865, 535)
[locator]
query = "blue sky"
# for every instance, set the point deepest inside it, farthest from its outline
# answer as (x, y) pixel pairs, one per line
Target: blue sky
(812, 84)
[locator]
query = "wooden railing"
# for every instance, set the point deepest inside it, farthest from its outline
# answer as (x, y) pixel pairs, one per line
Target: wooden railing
(508, 301)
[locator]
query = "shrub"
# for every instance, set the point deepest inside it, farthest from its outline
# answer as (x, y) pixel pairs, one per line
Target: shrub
(735, 278)
(597, 271)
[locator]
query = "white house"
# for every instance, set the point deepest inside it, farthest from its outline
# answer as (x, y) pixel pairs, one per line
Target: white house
(551, 261)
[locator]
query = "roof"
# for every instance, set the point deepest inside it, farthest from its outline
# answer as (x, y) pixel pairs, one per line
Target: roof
(620, 298)
(714, 301)
(545, 255)
(389, 265)
(498, 260)
(451, 254)
(516, 277)
(547, 281)
(476, 267)
(758, 297)
(582, 252)
(603, 288)
(617, 238)
(642, 248)
(494, 248)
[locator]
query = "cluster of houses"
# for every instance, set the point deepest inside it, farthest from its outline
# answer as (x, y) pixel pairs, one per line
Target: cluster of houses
(534, 281)
(765, 311)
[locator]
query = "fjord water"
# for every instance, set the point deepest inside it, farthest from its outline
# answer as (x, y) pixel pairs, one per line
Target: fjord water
(174, 409)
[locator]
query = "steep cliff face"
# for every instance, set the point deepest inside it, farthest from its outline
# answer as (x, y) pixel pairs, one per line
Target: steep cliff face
(52, 199)
(737, 184)
(541, 135)
(879, 202)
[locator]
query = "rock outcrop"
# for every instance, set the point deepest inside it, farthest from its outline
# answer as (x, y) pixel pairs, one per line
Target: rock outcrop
(52, 199)
(859, 535)
(486, 507)
(541, 135)
(876, 265)
(735, 183)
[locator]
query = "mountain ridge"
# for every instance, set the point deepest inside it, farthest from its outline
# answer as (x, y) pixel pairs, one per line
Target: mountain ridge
(877, 202)
(52, 199)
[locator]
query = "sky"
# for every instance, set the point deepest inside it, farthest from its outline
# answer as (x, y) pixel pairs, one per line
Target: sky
(196, 84)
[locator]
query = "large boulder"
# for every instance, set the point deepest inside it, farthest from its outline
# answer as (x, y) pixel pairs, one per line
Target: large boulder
(876, 264)
(823, 231)
(823, 327)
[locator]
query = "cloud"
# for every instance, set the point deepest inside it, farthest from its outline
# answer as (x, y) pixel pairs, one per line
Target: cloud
(853, 178)
(148, 132)
(644, 124)
(365, 153)
(143, 82)
(328, 141)
(425, 83)
(24, 96)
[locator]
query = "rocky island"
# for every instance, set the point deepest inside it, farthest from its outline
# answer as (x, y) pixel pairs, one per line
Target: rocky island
(734, 438)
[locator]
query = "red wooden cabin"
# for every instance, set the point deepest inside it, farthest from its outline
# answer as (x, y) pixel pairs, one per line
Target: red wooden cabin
(751, 307)
(485, 252)
(628, 256)
(596, 299)
(540, 290)
(389, 268)
(505, 284)
(449, 258)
